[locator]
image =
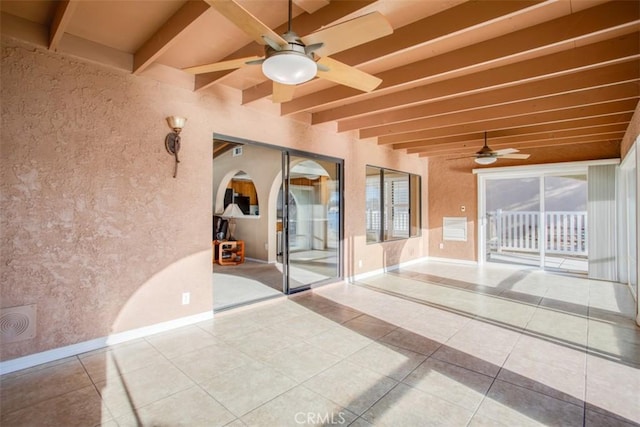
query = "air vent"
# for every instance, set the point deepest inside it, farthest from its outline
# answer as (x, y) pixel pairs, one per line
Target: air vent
(454, 228)
(237, 151)
(17, 323)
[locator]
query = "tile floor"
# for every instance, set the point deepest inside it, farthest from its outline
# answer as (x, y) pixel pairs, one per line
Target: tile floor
(434, 344)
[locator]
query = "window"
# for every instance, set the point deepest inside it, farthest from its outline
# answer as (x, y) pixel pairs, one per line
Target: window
(392, 204)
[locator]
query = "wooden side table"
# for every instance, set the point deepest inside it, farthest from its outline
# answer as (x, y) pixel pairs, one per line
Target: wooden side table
(228, 252)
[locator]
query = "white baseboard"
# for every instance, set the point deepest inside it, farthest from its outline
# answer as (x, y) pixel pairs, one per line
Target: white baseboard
(35, 359)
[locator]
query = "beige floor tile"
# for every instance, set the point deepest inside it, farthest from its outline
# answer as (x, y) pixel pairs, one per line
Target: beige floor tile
(299, 406)
(120, 359)
(449, 382)
(411, 341)
(263, 343)
(537, 349)
(517, 406)
(564, 306)
(249, 362)
(504, 312)
(136, 389)
(189, 408)
(408, 407)
(388, 360)
(369, 326)
(81, 407)
(208, 362)
(565, 328)
(547, 368)
(613, 388)
(596, 419)
(487, 334)
(473, 356)
(301, 361)
(338, 314)
(181, 341)
(613, 341)
(305, 325)
(339, 341)
(360, 422)
(351, 386)
(231, 326)
(243, 389)
(22, 391)
(36, 368)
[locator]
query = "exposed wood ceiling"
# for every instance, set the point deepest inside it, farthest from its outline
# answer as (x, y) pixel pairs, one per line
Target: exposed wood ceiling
(530, 73)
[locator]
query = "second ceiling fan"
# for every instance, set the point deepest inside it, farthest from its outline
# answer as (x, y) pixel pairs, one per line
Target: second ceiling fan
(487, 156)
(290, 59)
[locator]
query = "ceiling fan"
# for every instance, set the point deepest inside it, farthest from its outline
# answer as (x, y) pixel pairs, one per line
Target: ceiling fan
(290, 59)
(487, 156)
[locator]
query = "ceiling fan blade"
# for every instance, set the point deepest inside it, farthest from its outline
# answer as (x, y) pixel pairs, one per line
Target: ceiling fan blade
(514, 156)
(248, 23)
(282, 92)
(222, 65)
(505, 151)
(349, 34)
(347, 75)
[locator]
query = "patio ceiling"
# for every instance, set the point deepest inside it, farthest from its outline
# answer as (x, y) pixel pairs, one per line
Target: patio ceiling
(530, 73)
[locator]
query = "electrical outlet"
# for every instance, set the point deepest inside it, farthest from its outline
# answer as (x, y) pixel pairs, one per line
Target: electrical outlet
(186, 298)
(441, 245)
(360, 263)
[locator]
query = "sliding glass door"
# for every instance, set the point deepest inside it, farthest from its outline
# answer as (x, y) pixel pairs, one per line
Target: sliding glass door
(538, 221)
(311, 230)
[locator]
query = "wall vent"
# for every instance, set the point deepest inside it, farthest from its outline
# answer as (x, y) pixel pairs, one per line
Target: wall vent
(454, 228)
(237, 151)
(17, 323)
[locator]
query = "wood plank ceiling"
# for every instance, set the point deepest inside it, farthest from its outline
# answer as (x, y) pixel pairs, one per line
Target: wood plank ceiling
(530, 73)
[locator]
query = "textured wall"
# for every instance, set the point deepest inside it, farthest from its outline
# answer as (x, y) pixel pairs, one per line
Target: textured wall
(452, 184)
(91, 213)
(95, 230)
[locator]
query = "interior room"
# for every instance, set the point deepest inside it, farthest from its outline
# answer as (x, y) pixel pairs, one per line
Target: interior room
(351, 212)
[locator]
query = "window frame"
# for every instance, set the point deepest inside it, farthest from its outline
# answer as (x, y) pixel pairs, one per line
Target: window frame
(385, 212)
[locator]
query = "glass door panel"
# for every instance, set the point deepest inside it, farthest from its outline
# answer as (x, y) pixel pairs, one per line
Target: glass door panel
(565, 211)
(311, 221)
(513, 221)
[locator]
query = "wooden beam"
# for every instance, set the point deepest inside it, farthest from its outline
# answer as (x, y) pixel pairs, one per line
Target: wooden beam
(581, 112)
(167, 34)
(609, 137)
(593, 116)
(509, 141)
(552, 103)
(560, 63)
(62, 17)
(602, 76)
(537, 40)
(520, 132)
(311, 6)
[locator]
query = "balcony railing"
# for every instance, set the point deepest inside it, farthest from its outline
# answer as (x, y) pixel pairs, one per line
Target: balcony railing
(565, 232)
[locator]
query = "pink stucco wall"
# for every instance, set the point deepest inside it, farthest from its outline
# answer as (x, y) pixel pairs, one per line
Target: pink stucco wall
(95, 230)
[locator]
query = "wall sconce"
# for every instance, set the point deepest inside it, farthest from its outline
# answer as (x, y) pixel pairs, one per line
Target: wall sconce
(172, 141)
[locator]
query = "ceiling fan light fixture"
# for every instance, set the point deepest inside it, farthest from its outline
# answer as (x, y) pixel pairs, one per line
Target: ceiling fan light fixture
(289, 67)
(485, 160)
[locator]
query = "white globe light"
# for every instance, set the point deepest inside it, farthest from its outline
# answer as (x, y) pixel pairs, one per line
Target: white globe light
(289, 68)
(485, 160)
